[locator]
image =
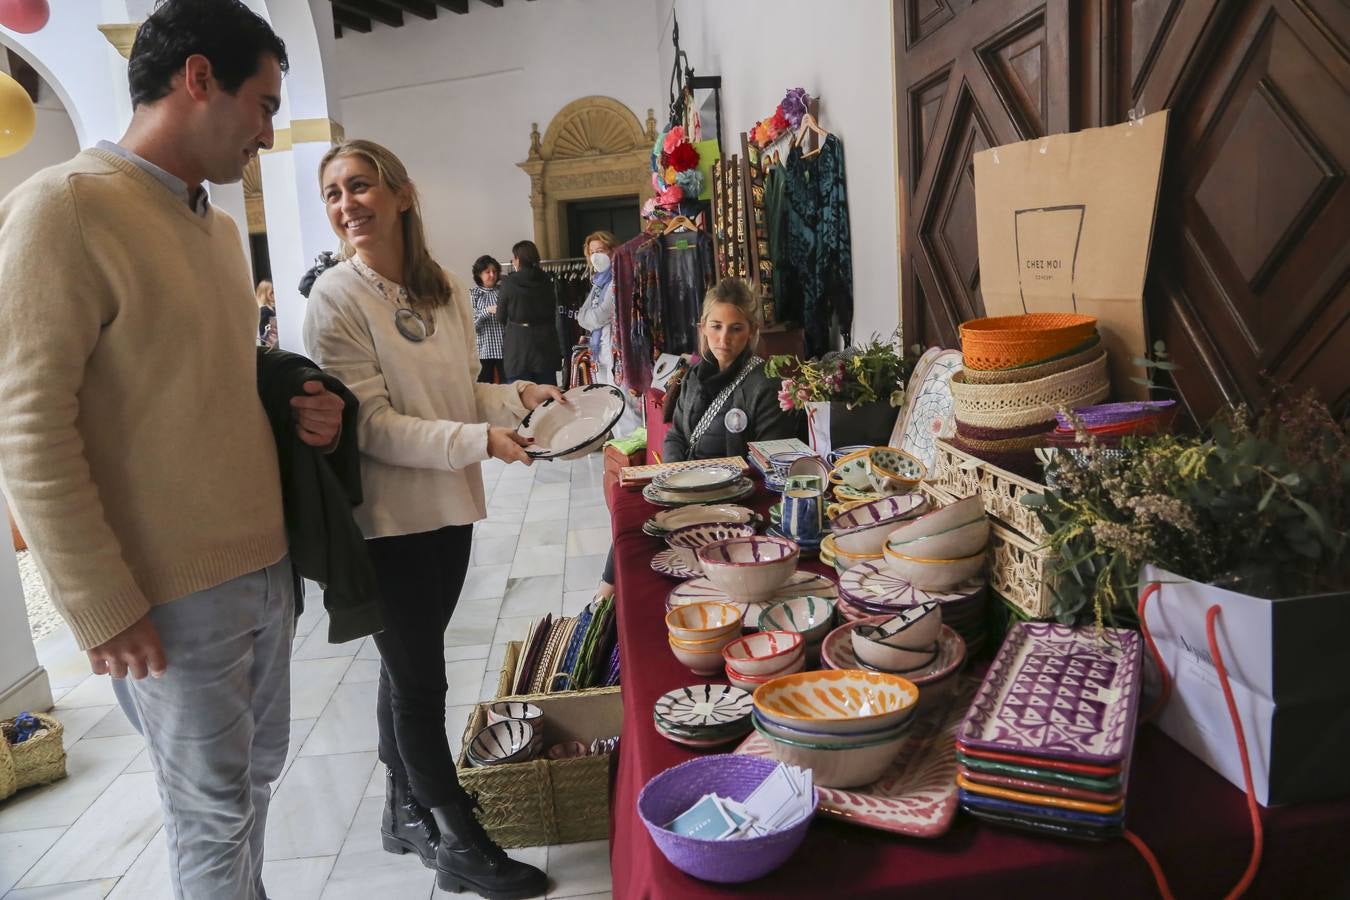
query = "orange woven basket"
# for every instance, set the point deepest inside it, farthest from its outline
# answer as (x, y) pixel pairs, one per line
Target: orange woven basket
(1003, 342)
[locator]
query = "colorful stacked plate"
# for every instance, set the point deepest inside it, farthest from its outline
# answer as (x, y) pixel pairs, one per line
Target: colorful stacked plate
(704, 715)
(668, 520)
(872, 589)
(1046, 744)
(737, 489)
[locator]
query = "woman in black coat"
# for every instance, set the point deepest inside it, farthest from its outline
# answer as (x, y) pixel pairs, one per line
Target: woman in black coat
(726, 401)
(526, 307)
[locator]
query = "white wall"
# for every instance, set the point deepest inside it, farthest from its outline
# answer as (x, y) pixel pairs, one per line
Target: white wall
(454, 98)
(840, 52)
(53, 142)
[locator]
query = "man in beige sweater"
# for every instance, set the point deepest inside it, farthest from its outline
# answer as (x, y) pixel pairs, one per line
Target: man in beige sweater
(134, 451)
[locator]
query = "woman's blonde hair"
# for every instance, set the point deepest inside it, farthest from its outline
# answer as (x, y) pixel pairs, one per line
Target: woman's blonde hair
(423, 279)
(265, 294)
(733, 292)
(605, 237)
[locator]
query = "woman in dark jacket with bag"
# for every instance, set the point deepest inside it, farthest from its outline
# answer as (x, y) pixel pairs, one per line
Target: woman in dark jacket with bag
(526, 306)
(726, 401)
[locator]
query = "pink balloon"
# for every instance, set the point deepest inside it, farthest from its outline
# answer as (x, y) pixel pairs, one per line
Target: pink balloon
(24, 16)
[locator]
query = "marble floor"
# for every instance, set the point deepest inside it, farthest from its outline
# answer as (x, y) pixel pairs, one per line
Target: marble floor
(97, 833)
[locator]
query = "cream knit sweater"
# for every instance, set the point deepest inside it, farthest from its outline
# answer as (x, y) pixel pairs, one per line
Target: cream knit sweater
(134, 451)
(423, 420)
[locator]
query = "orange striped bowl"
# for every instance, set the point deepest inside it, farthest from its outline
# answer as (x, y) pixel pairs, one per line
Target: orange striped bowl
(837, 701)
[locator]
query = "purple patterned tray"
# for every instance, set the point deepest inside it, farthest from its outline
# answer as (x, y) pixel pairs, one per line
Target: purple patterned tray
(1059, 692)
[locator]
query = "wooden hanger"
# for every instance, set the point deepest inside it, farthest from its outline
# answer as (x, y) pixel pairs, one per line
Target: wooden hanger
(809, 123)
(680, 222)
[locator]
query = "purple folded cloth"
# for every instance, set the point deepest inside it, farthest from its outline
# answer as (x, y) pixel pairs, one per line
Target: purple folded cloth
(612, 676)
(1107, 414)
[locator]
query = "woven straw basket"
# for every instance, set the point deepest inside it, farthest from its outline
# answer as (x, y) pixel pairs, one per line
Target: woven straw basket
(1013, 405)
(1003, 342)
(1084, 353)
(36, 761)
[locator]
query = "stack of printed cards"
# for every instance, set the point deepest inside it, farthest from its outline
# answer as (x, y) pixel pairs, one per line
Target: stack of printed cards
(785, 797)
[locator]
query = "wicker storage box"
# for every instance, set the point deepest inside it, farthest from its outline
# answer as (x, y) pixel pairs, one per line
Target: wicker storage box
(36, 761)
(1018, 567)
(959, 474)
(547, 801)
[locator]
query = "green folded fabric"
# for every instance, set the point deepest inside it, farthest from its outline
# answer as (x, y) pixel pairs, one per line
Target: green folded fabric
(631, 444)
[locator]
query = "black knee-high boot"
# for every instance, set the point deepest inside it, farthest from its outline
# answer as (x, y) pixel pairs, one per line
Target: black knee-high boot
(468, 859)
(407, 826)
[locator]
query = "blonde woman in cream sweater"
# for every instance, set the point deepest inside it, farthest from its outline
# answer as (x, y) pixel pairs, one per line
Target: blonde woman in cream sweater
(398, 330)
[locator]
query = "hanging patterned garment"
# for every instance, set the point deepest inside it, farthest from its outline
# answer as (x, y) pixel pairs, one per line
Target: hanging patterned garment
(687, 270)
(631, 332)
(818, 252)
(787, 300)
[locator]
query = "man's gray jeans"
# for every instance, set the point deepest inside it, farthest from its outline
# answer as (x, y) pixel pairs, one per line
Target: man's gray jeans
(217, 726)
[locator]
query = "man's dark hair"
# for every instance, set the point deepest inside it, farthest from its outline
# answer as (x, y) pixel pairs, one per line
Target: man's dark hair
(481, 265)
(527, 253)
(226, 32)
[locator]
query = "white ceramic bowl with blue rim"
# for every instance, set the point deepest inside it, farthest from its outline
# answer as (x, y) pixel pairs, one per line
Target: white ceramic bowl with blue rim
(573, 429)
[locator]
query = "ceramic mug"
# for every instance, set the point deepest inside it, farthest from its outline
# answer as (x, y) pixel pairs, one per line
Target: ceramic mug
(801, 515)
(803, 483)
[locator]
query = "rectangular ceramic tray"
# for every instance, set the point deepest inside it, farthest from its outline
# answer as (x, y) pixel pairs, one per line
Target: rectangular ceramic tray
(1059, 692)
(918, 795)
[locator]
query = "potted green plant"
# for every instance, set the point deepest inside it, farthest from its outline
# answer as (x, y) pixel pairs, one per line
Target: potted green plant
(851, 396)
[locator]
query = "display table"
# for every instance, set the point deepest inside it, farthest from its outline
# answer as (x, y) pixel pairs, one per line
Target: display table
(1193, 820)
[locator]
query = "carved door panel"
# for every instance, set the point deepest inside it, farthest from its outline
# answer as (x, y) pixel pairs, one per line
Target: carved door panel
(1250, 281)
(971, 75)
(1250, 273)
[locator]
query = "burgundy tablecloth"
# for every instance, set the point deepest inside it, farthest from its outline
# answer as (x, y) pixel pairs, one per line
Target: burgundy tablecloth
(1195, 821)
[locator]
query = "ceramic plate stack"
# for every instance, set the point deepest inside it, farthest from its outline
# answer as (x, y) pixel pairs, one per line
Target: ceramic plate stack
(713, 483)
(936, 675)
(1018, 370)
(704, 715)
(573, 429)
(670, 520)
(1046, 745)
(872, 589)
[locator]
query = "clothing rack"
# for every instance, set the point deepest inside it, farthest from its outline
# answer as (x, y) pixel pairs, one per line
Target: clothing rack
(575, 265)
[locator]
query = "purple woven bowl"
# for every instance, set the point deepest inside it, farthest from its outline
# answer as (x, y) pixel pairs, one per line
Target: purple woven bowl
(1106, 414)
(728, 862)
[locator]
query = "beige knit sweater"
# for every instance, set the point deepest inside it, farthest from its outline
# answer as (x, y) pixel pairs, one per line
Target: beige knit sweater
(134, 451)
(423, 420)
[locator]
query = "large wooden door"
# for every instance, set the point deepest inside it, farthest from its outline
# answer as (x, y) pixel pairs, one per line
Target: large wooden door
(1250, 274)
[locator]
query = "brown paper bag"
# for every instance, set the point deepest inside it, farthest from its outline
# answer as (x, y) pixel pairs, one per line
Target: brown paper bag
(1065, 224)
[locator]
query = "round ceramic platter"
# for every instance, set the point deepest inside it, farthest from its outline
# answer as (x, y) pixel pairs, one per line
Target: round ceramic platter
(681, 517)
(697, 478)
(701, 590)
(873, 584)
(696, 743)
(562, 429)
(741, 487)
(704, 705)
(676, 563)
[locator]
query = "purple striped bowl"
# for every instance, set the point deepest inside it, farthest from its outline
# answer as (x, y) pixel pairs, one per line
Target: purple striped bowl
(728, 775)
(749, 569)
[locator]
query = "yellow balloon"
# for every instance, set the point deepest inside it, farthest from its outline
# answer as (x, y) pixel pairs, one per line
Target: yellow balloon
(18, 119)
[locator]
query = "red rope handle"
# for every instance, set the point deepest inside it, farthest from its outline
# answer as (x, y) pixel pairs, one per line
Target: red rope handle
(1258, 834)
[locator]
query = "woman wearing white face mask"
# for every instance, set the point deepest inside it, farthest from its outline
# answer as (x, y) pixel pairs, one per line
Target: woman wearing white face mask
(597, 316)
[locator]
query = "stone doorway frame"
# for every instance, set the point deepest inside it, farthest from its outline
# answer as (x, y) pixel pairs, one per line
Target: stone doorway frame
(594, 148)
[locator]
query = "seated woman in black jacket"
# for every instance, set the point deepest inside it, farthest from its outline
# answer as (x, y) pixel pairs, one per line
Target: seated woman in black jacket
(726, 401)
(526, 305)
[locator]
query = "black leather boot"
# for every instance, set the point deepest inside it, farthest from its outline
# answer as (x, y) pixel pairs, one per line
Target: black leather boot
(407, 826)
(470, 860)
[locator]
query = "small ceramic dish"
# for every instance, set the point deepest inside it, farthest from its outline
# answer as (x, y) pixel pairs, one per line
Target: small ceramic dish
(911, 629)
(749, 569)
(891, 471)
(703, 621)
(961, 512)
(865, 528)
(810, 465)
(887, 658)
(668, 520)
(700, 662)
(703, 706)
(841, 767)
(934, 574)
(751, 682)
(508, 741)
(830, 554)
(835, 457)
(851, 470)
(514, 709)
(698, 478)
(837, 701)
(954, 543)
(782, 461)
(764, 652)
(811, 617)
